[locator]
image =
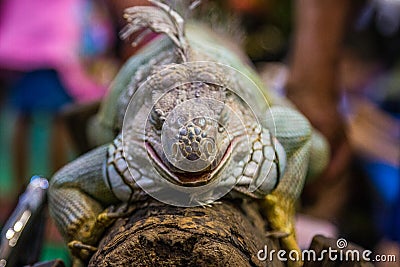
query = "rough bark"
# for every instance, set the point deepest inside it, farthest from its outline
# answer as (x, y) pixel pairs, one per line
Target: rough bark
(156, 234)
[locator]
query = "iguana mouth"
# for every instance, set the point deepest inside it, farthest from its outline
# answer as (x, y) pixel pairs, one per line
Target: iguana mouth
(190, 179)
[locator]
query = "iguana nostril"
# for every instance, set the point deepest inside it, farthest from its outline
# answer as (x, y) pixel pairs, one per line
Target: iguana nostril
(209, 147)
(175, 149)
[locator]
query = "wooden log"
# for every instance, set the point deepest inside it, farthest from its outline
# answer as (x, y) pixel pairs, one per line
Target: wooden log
(225, 234)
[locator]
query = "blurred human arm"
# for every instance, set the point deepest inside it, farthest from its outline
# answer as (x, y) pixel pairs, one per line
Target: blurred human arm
(313, 83)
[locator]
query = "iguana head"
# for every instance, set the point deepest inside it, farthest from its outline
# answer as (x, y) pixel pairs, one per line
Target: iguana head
(186, 137)
(202, 122)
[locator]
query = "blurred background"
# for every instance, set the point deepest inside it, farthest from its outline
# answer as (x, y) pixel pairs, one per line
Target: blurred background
(337, 61)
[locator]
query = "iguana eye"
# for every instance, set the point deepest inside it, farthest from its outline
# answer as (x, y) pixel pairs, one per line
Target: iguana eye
(157, 118)
(201, 122)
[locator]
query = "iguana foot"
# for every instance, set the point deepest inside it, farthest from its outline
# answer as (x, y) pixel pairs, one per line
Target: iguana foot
(279, 211)
(290, 243)
(90, 232)
(110, 214)
(81, 246)
(77, 262)
(276, 234)
(80, 252)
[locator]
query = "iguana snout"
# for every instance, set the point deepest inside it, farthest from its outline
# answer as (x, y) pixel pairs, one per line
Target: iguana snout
(193, 143)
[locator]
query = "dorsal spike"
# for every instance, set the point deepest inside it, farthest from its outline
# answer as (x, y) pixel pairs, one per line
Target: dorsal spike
(160, 18)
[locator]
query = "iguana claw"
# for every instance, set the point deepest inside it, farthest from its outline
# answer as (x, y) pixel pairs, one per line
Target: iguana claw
(276, 234)
(81, 252)
(110, 214)
(82, 248)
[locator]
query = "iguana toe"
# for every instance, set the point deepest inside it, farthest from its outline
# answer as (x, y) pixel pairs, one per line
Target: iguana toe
(81, 250)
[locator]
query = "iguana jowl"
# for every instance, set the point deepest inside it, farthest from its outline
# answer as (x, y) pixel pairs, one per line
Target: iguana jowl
(184, 67)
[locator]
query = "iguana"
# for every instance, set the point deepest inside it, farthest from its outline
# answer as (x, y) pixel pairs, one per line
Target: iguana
(185, 115)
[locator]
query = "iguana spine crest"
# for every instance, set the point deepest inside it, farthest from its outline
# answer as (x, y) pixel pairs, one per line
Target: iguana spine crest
(160, 18)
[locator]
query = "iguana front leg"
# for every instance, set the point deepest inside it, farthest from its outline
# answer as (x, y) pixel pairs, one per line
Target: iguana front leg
(294, 133)
(77, 197)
